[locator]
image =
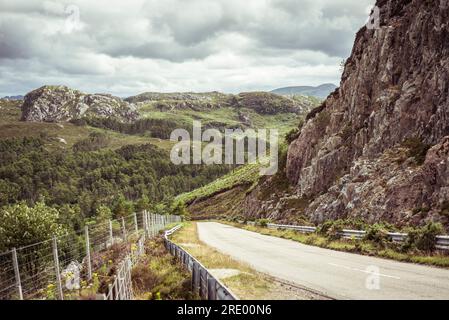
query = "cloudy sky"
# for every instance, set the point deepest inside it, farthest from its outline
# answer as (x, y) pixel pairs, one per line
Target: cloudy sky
(128, 47)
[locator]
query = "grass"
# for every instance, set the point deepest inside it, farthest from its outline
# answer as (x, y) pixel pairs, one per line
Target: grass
(351, 245)
(249, 284)
(12, 127)
(158, 276)
(244, 175)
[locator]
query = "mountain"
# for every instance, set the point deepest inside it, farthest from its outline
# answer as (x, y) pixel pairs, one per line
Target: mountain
(18, 97)
(322, 91)
(60, 103)
(377, 149)
(263, 103)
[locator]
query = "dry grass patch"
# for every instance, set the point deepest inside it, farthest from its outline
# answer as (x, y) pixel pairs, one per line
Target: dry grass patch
(248, 285)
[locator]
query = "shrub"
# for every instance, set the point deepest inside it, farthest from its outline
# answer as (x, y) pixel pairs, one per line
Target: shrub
(22, 225)
(416, 149)
(331, 229)
(423, 238)
(262, 222)
(377, 233)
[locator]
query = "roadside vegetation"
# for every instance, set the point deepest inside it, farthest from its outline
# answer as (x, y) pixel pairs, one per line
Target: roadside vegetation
(158, 276)
(245, 282)
(418, 248)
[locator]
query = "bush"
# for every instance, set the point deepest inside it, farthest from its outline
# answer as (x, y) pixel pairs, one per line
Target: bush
(423, 238)
(377, 233)
(22, 225)
(95, 141)
(416, 149)
(331, 229)
(262, 222)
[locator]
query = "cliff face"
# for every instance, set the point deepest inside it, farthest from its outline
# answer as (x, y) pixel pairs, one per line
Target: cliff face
(59, 103)
(363, 153)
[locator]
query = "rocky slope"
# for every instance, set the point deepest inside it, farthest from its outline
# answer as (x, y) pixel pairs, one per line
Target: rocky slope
(378, 147)
(59, 103)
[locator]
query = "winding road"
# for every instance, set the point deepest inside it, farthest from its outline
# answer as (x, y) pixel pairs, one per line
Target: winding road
(334, 274)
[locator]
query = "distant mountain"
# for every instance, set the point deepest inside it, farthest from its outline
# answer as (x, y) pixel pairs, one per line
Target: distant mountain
(321, 91)
(13, 98)
(60, 103)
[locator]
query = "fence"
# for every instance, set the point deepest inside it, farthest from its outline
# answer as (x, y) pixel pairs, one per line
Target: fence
(54, 268)
(121, 287)
(442, 241)
(203, 282)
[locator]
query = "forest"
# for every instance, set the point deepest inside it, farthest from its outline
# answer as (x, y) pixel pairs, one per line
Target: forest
(87, 180)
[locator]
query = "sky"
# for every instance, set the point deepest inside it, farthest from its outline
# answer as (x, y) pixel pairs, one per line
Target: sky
(134, 46)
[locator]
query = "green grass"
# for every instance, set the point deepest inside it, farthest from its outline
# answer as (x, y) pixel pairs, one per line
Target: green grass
(244, 175)
(12, 127)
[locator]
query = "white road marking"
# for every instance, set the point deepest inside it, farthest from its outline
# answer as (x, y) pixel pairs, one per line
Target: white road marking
(364, 271)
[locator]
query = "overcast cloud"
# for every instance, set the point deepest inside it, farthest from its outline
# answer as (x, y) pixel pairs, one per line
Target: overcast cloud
(128, 47)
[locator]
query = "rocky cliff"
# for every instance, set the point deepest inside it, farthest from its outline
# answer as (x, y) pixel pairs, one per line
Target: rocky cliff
(378, 147)
(59, 103)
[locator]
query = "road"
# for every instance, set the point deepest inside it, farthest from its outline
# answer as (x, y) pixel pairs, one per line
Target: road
(335, 274)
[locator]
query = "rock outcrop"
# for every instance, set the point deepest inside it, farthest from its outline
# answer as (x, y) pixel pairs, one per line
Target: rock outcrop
(363, 153)
(59, 103)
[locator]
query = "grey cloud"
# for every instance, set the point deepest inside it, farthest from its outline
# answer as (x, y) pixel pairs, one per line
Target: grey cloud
(175, 44)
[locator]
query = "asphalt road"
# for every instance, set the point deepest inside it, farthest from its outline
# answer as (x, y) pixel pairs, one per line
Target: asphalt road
(335, 274)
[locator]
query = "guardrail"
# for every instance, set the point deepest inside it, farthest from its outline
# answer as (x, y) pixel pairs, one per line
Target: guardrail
(442, 241)
(203, 282)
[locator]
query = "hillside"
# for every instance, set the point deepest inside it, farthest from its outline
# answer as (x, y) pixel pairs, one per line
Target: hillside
(218, 110)
(377, 149)
(321, 91)
(96, 141)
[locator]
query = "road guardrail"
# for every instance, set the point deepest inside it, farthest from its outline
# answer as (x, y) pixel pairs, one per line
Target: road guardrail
(203, 282)
(442, 241)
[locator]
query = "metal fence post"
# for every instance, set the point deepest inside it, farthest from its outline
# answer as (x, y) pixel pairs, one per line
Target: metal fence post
(17, 273)
(123, 229)
(211, 289)
(89, 264)
(111, 234)
(135, 222)
(57, 270)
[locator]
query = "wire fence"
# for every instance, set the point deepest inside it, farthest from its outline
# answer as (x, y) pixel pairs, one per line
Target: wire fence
(54, 269)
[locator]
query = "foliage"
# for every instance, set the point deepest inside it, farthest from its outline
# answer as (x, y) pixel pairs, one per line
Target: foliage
(159, 277)
(87, 180)
(22, 225)
(157, 128)
(377, 233)
(331, 229)
(417, 149)
(179, 208)
(423, 238)
(95, 141)
(244, 175)
(262, 222)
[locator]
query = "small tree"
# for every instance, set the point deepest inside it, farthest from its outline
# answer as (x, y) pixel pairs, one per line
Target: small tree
(179, 209)
(143, 204)
(22, 225)
(122, 207)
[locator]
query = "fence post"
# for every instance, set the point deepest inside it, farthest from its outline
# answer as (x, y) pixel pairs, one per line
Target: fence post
(111, 234)
(17, 273)
(152, 224)
(135, 222)
(57, 270)
(144, 222)
(89, 264)
(123, 229)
